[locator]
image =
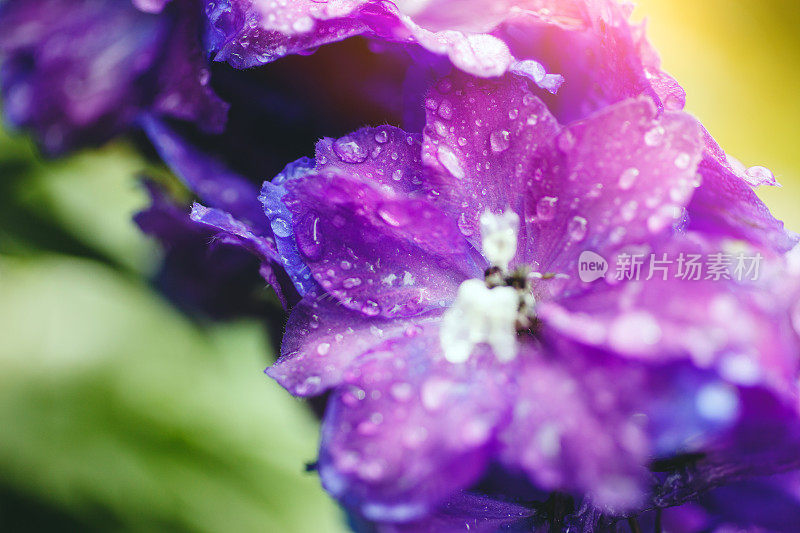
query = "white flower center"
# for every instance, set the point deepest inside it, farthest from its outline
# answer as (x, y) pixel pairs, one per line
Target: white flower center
(499, 237)
(483, 314)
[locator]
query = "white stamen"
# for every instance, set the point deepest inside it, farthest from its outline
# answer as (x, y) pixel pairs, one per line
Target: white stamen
(481, 315)
(499, 235)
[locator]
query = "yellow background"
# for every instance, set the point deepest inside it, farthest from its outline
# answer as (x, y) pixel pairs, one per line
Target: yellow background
(738, 61)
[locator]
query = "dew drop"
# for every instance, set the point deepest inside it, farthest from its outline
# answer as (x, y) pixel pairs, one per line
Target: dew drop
(349, 150)
(394, 215)
(401, 391)
(683, 161)
(280, 227)
(546, 208)
(371, 308)
(450, 161)
(445, 109)
(323, 348)
(303, 24)
(654, 136)
(577, 228)
(628, 178)
(566, 141)
(500, 141)
(351, 283)
(381, 137)
(759, 175)
(465, 225)
(204, 77)
(309, 385)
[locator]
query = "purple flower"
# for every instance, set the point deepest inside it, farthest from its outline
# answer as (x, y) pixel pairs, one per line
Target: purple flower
(600, 57)
(441, 305)
(79, 72)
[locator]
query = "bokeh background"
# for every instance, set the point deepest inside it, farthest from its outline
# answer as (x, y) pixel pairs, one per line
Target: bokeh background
(119, 412)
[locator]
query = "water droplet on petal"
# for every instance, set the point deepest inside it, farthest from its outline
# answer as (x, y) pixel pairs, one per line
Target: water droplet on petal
(446, 109)
(371, 308)
(450, 161)
(546, 208)
(204, 77)
(401, 391)
(500, 141)
(349, 150)
(309, 385)
(351, 283)
(628, 178)
(465, 225)
(577, 228)
(759, 175)
(381, 137)
(654, 136)
(323, 348)
(303, 24)
(434, 393)
(717, 402)
(566, 141)
(683, 161)
(394, 215)
(280, 227)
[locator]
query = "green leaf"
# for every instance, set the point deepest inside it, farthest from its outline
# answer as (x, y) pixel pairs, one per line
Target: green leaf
(120, 411)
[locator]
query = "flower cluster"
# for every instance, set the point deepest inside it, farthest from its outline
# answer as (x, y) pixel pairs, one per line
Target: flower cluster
(431, 268)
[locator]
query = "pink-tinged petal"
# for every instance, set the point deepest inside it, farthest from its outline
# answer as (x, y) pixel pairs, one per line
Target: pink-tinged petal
(573, 430)
(324, 339)
(491, 144)
(726, 205)
(375, 251)
(479, 145)
(409, 429)
(620, 177)
(603, 57)
(740, 328)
